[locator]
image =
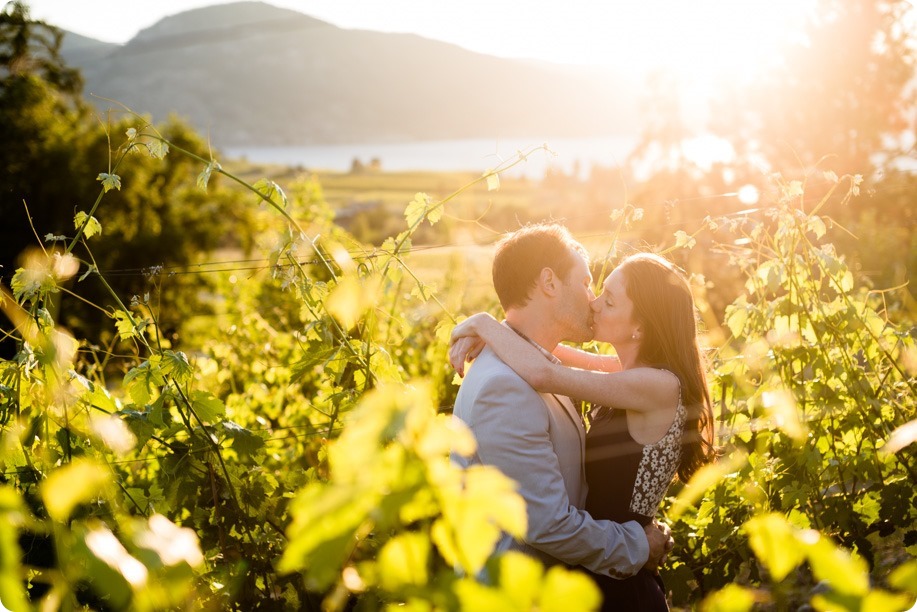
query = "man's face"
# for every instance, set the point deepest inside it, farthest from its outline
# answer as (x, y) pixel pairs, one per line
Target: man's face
(574, 314)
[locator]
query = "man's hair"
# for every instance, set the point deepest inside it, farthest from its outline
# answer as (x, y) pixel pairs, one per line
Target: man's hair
(523, 254)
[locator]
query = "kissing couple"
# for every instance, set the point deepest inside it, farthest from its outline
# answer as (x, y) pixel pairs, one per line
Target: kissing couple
(592, 482)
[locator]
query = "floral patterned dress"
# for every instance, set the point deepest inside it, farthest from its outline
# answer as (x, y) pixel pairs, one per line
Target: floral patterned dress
(627, 481)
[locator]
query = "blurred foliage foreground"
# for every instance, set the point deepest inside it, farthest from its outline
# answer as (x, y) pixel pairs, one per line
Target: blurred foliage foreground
(295, 454)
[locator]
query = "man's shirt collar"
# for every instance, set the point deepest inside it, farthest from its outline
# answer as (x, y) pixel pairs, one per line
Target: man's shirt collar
(548, 355)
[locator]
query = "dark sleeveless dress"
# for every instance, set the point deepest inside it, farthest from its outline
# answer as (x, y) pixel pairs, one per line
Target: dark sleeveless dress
(627, 482)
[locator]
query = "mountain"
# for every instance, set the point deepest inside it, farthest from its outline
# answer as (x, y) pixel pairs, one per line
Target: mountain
(250, 73)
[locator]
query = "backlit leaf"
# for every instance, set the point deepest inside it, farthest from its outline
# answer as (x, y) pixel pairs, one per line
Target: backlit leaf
(92, 225)
(904, 577)
(71, 485)
(173, 544)
(473, 595)
(176, 364)
(731, 598)
(351, 298)
(204, 177)
(418, 207)
(684, 240)
(566, 590)
(774, 542)
(158, 149)
(493, 180)
(846, 573)
(109, 181)
(125, 325)
(403, 561)
(12, 587)
(207, 407)
(703, 479)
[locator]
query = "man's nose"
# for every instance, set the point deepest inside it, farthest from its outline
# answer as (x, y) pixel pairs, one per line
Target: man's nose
(594, 303)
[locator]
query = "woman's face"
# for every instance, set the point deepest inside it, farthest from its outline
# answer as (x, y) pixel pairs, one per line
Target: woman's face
(613, 312)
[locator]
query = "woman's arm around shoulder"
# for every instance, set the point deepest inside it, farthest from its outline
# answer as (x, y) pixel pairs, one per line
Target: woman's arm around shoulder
(585, 360)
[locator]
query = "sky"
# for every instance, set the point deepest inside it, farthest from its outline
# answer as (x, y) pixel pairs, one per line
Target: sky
(698, 38)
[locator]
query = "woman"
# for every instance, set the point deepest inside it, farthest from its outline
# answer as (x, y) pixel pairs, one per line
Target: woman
(653, 417)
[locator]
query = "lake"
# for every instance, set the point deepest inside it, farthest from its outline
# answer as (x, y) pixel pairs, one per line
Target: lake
(443, 155)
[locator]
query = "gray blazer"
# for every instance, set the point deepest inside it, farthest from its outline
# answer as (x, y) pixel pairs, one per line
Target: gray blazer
(538, 440)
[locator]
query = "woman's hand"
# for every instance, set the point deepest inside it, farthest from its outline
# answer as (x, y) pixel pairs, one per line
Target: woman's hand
(462, 350)
(465, 344)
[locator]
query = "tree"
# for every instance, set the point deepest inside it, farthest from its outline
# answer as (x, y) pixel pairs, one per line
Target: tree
(55, 147)
(837, 93)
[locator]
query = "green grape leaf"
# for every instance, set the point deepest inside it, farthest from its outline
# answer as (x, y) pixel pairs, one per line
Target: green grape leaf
(473, 595)
(415, 211)
(520, 577)
(684, 240)
(158, 149)
(244, 441)
(774, 542)
(816, 226)
(109, 181)
(207, 407)
(204, 177)
(90, 225)
(125, 325)
(731, 598)
(12, 588)
(271, 191)
(403, 561)
(736, 319)
(565, 590)
(176, 364)
(73, 484)
(493, 180)
(846, 573)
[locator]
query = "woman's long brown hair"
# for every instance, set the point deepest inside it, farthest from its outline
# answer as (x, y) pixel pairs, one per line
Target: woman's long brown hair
(664, 309)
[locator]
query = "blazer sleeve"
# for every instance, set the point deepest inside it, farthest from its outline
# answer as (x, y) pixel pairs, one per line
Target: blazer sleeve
(511, 425)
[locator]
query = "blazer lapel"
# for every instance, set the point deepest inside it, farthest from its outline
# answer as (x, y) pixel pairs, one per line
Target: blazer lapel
(574, 416)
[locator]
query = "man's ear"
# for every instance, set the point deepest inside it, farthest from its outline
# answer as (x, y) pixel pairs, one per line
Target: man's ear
(548, 281)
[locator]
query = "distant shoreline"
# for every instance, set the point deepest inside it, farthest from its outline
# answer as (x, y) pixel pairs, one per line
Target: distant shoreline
(478, 155)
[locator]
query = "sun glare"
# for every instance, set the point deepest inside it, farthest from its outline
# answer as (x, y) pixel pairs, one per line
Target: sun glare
(708, 40)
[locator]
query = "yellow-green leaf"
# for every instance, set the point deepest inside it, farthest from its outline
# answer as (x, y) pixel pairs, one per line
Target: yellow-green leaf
(684, 240)
(158, 149)
(493, 180)
(125, 325)
(204, 177)
(71, 485)
(704, 478)
(176, 364)
(109, 181)
(476, 596)
(92, 225)
(566, 590)
(416, 210)
(883, 601)
(351, 298)
(521, 578)
(207, 407)
(403, 561)
(905, 577)
(731, 598)
(12, 587)
(774, 542)
(846, 573)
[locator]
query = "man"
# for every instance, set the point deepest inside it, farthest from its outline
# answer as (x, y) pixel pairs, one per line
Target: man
(542, 279)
